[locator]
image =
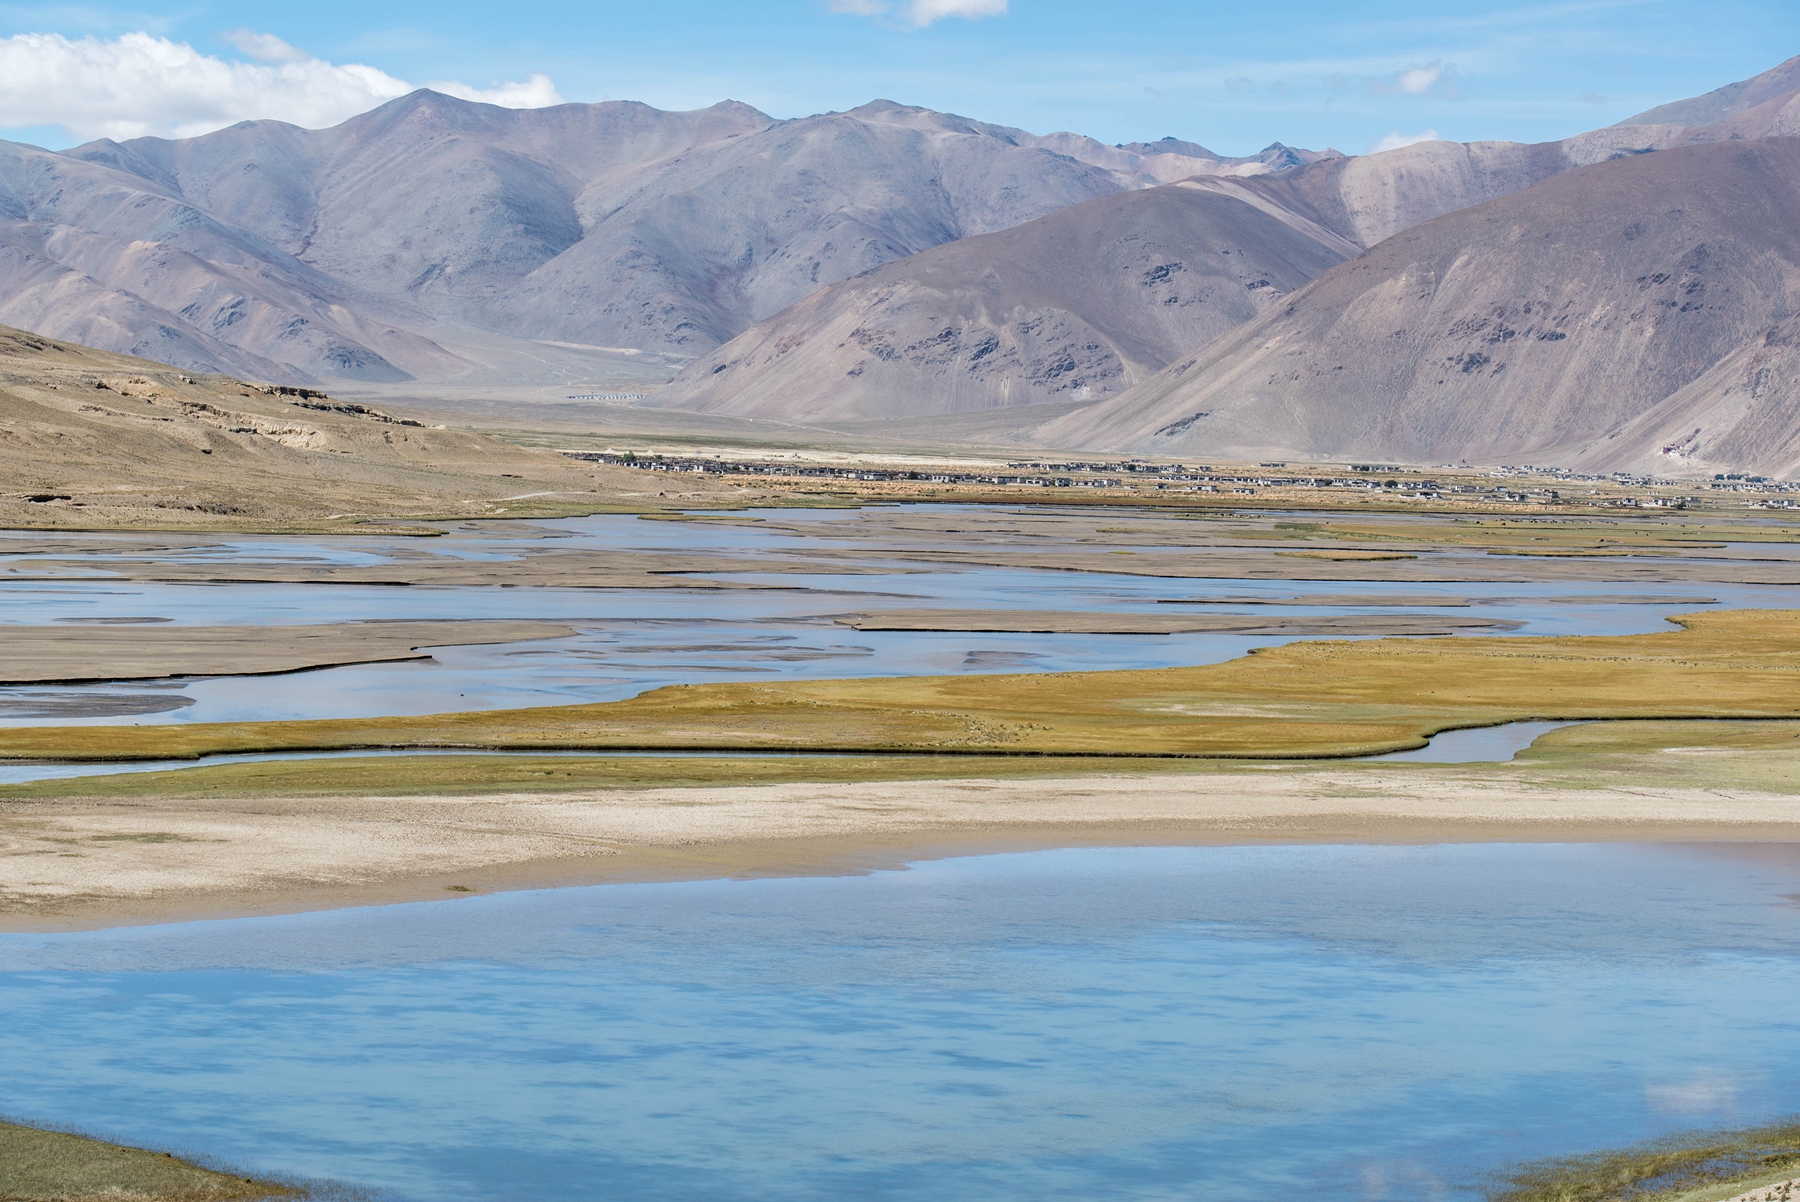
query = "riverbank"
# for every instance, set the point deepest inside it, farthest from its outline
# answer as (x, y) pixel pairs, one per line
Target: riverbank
(56, 1166)
(140, 857)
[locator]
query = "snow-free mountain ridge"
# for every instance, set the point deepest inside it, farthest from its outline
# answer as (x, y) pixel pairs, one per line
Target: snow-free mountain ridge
(1629, 314)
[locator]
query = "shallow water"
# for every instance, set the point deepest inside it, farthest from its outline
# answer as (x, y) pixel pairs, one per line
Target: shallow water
(631, 640)
(1478, 745)
(1227, 1023)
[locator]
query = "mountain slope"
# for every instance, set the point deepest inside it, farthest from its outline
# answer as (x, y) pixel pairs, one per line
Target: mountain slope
(617, 224)
(1521, 329)
(1084, 302)
(1776, 84)
(1740, 415)
(1040, 315)
(441, 239)
(1370, 198)
(95, 253)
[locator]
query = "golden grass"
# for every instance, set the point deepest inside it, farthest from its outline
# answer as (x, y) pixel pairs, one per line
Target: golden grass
(1692, 1168)
(1748, 755)
(1302, 700)
(452, 775)
(51, 1166)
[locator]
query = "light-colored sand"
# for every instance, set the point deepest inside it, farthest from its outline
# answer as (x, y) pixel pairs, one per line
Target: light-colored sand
(1775, 1191)
(70, 863)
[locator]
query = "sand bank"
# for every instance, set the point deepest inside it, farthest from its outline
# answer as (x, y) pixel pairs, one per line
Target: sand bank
(83, 652)
(68, 863)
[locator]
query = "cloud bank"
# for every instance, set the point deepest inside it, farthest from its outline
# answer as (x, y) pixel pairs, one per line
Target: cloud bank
(920, 13)
(140, 84)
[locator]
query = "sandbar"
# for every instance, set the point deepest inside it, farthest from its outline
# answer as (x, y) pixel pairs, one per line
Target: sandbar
(79, 654)
(71, 863)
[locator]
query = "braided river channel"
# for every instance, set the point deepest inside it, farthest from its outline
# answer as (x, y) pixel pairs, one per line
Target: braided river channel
(1132, 1023)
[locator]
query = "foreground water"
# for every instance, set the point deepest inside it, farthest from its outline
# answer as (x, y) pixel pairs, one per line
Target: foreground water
(1149, 1023)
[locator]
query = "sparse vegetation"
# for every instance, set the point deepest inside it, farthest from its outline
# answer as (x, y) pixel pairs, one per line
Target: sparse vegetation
(1300, 701)
(1699, 1167)
(55, 1166)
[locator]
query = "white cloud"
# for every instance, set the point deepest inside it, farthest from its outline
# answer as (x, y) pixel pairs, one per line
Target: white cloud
(265, 47)
(1430, 79)
(924, 12)
(920, 13)
(1416, 81)
(536, 92)
(1396, 140)
(140, 84)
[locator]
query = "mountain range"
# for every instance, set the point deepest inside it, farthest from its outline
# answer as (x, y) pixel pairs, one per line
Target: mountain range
(1534, 328)
(435, 238)
(918, 308)
(894, 263)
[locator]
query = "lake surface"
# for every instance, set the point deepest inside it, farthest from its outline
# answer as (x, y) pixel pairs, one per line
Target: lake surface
(1220, 1023)
(631, 640)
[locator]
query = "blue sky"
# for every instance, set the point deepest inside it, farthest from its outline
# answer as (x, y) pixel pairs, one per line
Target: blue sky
(1231, 76)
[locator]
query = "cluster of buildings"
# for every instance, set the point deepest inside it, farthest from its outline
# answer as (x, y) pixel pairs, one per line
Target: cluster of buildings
(1526, 484)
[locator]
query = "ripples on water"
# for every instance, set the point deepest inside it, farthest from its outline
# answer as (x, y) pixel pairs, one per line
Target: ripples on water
(1223, 1023)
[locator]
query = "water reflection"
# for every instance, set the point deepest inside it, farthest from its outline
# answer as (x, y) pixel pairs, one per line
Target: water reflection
(1228, 1023)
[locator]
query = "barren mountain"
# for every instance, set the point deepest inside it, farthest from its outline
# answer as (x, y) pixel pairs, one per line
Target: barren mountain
(1373, 197)
(1739, 416)
(440, 239)
(1777, 84)
(607, 225)
(1084, 302)
(122, 262)
(1044, 314)
(1530, 328)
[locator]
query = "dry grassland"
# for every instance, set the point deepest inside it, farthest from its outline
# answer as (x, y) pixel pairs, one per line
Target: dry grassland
(1303, 700)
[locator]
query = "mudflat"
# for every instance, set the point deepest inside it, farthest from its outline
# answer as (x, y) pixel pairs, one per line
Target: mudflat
(81, 653)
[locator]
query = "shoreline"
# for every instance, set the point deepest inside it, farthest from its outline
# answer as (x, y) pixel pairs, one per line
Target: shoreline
(87, 864)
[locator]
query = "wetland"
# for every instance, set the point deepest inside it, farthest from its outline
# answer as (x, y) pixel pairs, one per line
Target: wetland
(1062, 851)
